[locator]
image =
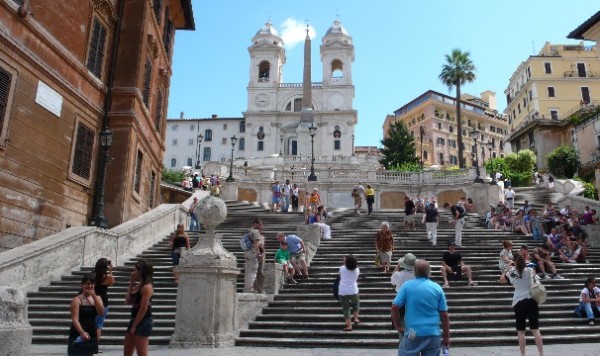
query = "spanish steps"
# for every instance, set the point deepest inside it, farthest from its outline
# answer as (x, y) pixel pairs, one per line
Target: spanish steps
(307, 315)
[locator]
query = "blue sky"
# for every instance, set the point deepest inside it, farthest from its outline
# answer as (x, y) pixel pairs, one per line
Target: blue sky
(399, 48)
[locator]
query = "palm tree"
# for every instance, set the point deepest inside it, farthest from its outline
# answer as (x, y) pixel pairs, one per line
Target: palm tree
(458, 70)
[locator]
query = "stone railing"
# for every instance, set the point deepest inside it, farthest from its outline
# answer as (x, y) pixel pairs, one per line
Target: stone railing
(30, 266)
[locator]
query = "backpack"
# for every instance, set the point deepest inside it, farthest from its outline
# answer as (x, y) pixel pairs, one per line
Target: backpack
(354, 192)
(461, 211)
(246, 242)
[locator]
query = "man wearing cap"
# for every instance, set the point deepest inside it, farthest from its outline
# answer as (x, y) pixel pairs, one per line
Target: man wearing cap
(453, 266)
(407, 263)
(422, 305)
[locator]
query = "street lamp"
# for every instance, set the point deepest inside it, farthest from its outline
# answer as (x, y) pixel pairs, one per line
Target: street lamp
(200, 138)
(492, 173)
(99, 220)
(233, 141)
(422, 133)
(313, 130)
(475, 134)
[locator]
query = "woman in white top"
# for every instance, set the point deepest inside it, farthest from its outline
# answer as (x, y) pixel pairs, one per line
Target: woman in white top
(348, 291)
(589, 299)
(525, 307)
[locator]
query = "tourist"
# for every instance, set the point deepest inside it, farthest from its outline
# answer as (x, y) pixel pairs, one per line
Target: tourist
(419, 204)
(581, 250)
(370, 196)
(306, 206)
(566, 255)
(535, 225)
(525, 307)
(318, 220)
(409, 211)
(431, 219)
(295, 194)
(194, 223)
(314, 201)
(407, 263)
(287, 192)
(104, 279)
(469, 206)
(509, 196)
(282, 256)
(453, 266)
(348, 291)
(417, 310)
(213, 180)
(179, 240)
(458, 219)
(276, 196)
(541, 257)
(519, 225)
(297, 253)
(538, 178)
(490, 217)
(195, 182)
(589, 216)
(384, 245)
(215, 190)
(85, 307)
(433, 201)
(555, 240)
(589, 299)
(357, 198)
(506, 259)
(254, 259)
(526, 207)
(139, 296)
(551, 183)
(361, 194)
(187, 185)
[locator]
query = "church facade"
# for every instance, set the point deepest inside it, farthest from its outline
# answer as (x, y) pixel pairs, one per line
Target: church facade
(280, 114)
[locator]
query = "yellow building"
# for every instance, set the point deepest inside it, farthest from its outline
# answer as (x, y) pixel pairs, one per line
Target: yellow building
(545, 91)
(436, 114)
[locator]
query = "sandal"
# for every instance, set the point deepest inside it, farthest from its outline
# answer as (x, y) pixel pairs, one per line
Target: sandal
(446, 285)
(472, 284)
(356, 322)
(347, 329)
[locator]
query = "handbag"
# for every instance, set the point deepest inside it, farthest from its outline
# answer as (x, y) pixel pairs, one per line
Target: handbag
(538, 291)
(377, 259)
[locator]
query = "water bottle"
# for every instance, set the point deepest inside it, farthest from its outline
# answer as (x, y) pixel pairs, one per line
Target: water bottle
(445, 351)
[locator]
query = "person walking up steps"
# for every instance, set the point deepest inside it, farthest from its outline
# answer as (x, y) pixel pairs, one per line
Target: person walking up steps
(370, 196)
(431, 219)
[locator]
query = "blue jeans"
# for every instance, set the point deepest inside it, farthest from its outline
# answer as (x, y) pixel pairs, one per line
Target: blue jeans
(421, 345)
(194, 224)
(537, 233)
(588, 309)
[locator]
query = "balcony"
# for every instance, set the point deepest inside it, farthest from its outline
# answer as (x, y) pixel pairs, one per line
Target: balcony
(577, 74)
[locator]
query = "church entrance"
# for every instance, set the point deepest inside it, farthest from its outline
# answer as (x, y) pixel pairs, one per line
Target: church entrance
(293, 146)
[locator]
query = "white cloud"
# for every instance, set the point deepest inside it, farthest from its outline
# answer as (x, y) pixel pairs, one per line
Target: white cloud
(294, 32)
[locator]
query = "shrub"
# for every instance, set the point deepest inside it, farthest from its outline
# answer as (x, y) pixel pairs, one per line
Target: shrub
(172, 176)
(589, 191)
(564, 162)
(518, 167)
(406, 167)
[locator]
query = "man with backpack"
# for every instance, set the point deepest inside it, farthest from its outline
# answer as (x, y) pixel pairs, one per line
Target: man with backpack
(458, 219)
(252, 243)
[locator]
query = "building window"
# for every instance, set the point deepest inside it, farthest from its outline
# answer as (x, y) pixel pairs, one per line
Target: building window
(206, 155)
(96, 49)
(6, 83)
(554, 114)
(524, 102)
(168, 33)
(174, 127)
(530, 95)
(452, 143)
(208, 135)
(192, 127)
(18, 2)
(528, 72)
(224, 127)
(151, 192)
(137, 179)
(224, 141)
(242, 126)
(241, 144)
(425, 155)
(157, 7)
(147, 82)
(297, 104)
(441, 157)
(82, 154)
(441, 141)
(451, 128)
(189, 161)
(453, 159)
(519, 108)
(175, 142)
(159, 111)
(173, 162)
(191, 142)
(551, 93)
(337, 145)
(261, 146)
(439, 125)
(548, 67)
(585, 95)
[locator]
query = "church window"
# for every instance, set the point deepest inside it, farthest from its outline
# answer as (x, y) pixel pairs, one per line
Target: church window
(261, 146)
(173, 162)
(337, 145)
(206, 155)
(241, 144)
(297, 104)
(96, 48)
(261, 133)
(264, 69)
(242, 126)
(191, 142)
(224, 141)
(189, 161)
(224, 127)
(288, 106)
(208, 135)
(337, 70)
(137, 179)
(82, 152)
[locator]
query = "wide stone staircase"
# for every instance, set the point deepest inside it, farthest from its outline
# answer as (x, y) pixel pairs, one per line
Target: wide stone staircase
(306, 315)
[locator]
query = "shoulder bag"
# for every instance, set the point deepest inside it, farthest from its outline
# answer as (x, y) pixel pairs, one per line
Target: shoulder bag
(538, 291)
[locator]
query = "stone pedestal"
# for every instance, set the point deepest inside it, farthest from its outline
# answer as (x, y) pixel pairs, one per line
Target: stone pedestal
(311, 236)
(15, 331)
(206, 294)
(229, 191)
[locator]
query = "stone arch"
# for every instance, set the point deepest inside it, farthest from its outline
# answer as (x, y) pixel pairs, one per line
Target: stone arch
(247, 194)
(391, 200)
(449, 196)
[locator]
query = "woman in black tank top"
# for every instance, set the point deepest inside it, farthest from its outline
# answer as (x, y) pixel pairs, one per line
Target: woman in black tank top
(84, 309)
(104, 278)
(179, 240)
(139, 296)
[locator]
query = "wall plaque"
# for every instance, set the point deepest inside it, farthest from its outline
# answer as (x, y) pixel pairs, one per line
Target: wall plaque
(49, 98)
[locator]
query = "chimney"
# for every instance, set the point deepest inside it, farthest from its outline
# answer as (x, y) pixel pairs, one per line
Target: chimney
(489, 97)
(181, 115)
(214, 116)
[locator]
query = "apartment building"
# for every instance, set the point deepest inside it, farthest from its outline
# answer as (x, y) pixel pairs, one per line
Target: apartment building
(434, 114)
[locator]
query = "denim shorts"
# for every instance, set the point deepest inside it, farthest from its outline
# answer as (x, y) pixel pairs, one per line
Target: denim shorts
(144, 328)
(175, 258)
(100, 319)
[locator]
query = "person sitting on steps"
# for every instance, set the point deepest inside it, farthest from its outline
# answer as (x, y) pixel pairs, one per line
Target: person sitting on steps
(453, 266)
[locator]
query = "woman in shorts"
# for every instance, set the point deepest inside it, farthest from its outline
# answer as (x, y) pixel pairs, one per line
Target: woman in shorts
(139, 296)
(104, 279)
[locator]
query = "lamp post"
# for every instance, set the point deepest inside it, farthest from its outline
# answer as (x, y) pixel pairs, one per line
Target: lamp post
(99, 220)
(313, 130)
(200, 138)
(474, 135)
(492, 173)
(422, 133)
(233, 141)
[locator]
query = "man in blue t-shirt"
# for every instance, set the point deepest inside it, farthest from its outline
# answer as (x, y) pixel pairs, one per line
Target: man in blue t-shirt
(297, 252)
(416, 313)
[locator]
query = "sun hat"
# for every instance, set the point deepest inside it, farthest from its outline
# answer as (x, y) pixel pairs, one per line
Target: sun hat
(407, 262)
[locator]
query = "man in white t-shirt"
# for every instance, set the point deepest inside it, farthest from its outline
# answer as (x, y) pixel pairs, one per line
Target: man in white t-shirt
(509, 196)
(287, 191)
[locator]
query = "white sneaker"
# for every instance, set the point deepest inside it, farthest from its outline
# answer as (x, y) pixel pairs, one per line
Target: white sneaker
(557, 276)
(547, 277)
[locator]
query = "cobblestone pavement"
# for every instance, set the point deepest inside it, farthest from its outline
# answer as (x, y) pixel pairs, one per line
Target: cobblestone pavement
(549, 350)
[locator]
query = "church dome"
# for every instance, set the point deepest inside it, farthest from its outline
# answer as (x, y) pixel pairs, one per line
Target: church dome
(267, 35)
(337, 31)
(267, 29)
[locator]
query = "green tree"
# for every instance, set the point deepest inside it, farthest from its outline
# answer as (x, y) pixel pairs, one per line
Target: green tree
(458, 70)
(518, 167)
(398, 146)
(172, 176)
(564, 162)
